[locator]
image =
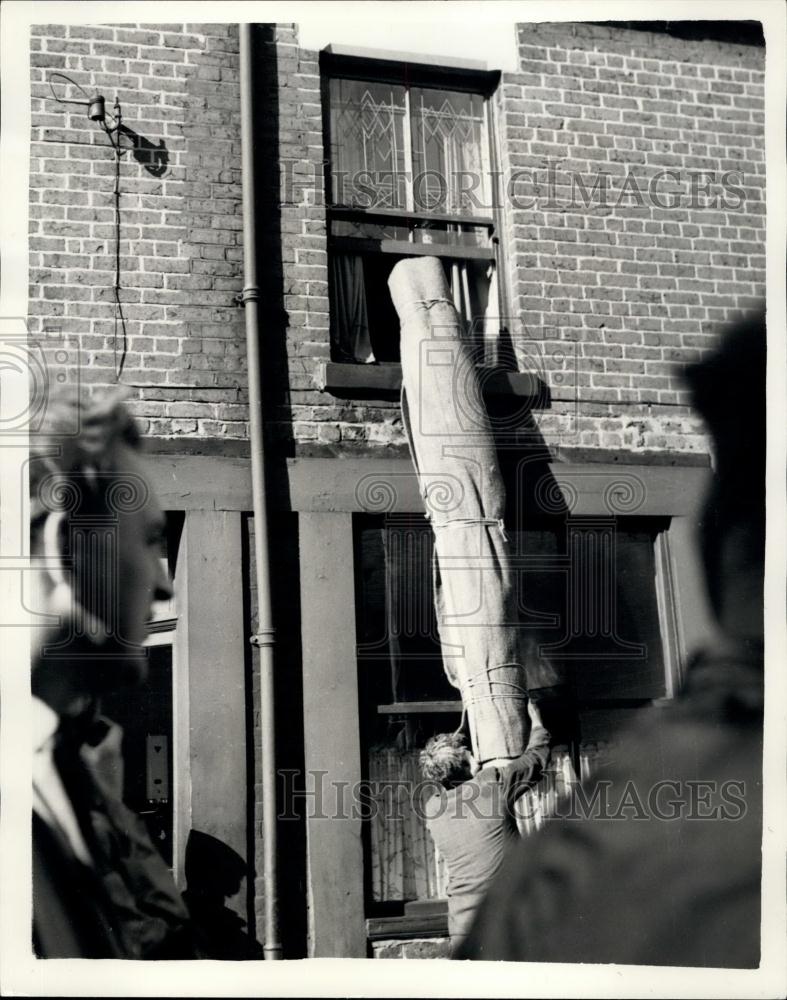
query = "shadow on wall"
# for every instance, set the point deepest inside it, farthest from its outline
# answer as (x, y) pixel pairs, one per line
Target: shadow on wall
(215, 873)
(153, 157)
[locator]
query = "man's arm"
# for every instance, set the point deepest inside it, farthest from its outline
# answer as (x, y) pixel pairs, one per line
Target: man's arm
(526, 770)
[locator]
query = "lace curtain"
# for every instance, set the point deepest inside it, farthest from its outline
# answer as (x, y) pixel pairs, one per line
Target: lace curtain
(448, 136)
(405, 864)
(435, 160)
(368, 152)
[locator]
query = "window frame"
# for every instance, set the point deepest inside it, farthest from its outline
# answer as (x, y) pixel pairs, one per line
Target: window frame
(411, 72)
(426, 916)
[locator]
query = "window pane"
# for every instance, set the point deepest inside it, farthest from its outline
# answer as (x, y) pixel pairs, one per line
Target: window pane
(606, 638)
(399, 642)
(449, 142)
(368, 162)
(628, 662)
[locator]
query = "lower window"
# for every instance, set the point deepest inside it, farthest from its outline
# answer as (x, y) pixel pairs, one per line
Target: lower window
(588, 601)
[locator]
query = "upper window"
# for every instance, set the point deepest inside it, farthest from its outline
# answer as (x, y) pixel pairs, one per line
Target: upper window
(415, 149)
(410, 171)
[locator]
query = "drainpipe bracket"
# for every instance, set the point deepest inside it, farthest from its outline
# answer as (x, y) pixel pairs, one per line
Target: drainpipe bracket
(249, 294)
(266, 637)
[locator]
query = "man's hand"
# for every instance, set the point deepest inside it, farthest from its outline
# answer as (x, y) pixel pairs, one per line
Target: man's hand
(535, 714)
(103, 753)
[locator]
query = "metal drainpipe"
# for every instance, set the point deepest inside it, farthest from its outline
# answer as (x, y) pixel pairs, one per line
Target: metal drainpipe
(265, 637)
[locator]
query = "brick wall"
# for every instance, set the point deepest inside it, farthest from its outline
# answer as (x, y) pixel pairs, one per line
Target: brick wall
(605, 301)
(180, 237)
(630, 291)
(293, 249)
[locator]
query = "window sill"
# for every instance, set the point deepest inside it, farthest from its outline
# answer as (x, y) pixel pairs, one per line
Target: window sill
(384, 381)
(422, 919)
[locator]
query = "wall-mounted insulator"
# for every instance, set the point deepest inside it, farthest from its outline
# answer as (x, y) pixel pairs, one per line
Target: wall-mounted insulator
(95, 110)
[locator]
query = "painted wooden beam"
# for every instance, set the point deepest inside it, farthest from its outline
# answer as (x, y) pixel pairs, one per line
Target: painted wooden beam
(210, 686)
(332, 754)
(381, 485)
(200, 482)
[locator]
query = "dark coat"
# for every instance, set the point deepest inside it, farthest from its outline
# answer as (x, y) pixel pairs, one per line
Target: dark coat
(127, 905)
(642, 888)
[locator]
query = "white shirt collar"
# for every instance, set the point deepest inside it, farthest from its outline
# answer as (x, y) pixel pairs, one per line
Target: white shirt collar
(45, 723)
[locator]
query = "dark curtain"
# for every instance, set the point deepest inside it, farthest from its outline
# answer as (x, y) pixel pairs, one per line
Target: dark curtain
(350, 320)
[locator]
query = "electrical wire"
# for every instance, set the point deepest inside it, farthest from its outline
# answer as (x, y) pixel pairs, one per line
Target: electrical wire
(62, 76)
(119, 316)
(118, 304)
(120, 319)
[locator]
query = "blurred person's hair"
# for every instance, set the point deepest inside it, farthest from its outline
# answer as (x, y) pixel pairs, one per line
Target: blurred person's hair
(728, 390)
(444, 758)
(79, 436)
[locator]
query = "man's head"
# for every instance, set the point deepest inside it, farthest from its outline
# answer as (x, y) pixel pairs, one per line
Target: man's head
(728, 389)
(96, 534)
(446, 759)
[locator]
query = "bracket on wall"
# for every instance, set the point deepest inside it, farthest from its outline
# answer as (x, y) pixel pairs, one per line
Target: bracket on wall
(154, 159)
(96, 107)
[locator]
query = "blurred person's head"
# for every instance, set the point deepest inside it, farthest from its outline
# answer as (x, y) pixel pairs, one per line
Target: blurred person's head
(96, 541)
(728, 390)
(213, 870)
(446, 760)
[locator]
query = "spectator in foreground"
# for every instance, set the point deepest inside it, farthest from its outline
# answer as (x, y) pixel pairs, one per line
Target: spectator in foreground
(100, 888)
(681, 885)
(472, 819)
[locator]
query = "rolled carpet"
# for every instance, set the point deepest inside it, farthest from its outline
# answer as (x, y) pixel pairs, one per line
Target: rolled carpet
(453, 451)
